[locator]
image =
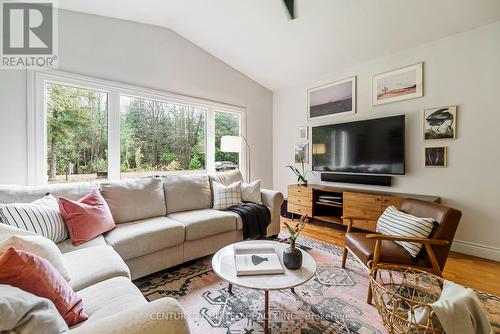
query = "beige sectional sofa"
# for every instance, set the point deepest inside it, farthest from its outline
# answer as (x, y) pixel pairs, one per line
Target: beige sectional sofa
(160, 223)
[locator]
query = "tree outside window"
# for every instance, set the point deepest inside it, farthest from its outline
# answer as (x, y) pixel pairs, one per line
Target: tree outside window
(77, 134)
(160, 137)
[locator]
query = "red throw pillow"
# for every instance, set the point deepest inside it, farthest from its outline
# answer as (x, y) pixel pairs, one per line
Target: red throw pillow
(36, 275)
(86, 218)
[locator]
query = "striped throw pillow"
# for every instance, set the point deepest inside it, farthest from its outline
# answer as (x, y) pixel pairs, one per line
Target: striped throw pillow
(398, 223)
(41, 217)
(226, 196)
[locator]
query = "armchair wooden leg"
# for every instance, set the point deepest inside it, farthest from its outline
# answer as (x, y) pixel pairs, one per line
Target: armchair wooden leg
(369, 295)
(432, 258)
(373, 269)
(344, 257)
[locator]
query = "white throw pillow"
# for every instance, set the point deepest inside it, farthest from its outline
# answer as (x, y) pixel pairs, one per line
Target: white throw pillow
(250, 192)
(41, 217)
(6, 231)
(398, 223)
(24, 313)
(226, 196)
(41, 246)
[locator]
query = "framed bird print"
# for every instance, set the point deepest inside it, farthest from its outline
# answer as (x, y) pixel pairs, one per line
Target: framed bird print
(440, 123)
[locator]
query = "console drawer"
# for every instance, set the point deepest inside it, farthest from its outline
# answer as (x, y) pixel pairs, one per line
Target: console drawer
(301, 191)
(299, 209)
(362, 205)
(302, 201)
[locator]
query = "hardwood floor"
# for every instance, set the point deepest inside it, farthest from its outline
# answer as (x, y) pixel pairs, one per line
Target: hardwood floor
(470, 271)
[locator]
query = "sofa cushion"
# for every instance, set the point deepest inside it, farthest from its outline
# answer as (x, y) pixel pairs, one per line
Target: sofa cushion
(36, 275)
(40, 246)
(226, 196)
(41, 216)
(66, 246)
(22, 312)
(250, 192)
(109, 297)
(205, 222)
(86, 218)
(226, 178)
(187, 192)
(6, 231)
(134, 199)
(146, 236)
(239, 221)
(91, 265)
(25, 194)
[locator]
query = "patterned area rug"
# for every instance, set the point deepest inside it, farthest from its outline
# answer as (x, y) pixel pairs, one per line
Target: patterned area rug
(331, 302)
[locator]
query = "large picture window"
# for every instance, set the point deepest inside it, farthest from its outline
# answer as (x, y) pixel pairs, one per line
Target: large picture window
(77, 134)
(160, 137)
(86, 129)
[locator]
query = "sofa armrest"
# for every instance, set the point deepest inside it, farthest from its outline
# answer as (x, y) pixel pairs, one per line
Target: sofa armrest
(273, 200)
(163, 316)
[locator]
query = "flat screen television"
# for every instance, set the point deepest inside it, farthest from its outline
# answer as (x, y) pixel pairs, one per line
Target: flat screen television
(374, 146)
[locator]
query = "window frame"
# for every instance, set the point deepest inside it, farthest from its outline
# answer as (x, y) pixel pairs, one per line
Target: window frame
(37, 118)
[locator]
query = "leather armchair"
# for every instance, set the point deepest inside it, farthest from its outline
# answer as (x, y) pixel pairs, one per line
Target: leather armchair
(378, 249)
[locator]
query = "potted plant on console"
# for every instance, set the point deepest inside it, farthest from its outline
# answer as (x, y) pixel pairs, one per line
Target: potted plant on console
(292, 256)
(301, 176)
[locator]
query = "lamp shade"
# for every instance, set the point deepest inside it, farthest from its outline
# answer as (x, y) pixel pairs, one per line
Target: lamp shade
(230, 144)
(319, 149)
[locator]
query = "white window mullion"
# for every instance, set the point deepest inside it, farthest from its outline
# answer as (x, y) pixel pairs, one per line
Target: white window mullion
(37, 135)
(114, 135)
(210, 151)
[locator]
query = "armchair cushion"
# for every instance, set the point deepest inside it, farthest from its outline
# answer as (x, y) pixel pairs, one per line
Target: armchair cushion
(391, 252)
(398, 223)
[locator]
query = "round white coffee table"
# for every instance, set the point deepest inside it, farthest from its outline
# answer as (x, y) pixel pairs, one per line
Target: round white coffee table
(223, 265)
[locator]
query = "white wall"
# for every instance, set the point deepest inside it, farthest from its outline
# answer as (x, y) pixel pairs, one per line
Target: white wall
(463, 69)
(141, 55)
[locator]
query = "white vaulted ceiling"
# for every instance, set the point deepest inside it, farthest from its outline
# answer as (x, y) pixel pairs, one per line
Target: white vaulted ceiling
(257, 38)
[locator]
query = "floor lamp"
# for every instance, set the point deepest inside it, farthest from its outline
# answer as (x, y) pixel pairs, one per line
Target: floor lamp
(233, 144)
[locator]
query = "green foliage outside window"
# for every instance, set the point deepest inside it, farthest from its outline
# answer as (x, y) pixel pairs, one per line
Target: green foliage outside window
(155, 136)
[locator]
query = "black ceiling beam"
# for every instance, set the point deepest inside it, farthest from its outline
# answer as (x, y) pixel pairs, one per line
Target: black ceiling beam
(289, 5)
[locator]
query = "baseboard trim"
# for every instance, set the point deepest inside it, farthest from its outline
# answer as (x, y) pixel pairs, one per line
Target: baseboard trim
(470, 248)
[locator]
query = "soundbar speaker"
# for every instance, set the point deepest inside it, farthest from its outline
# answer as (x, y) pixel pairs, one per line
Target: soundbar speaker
(377, 180)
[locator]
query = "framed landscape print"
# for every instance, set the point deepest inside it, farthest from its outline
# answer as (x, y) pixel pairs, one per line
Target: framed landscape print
(436, 156)
(332, 99)
(303, 132)
(301, 152)
(440, 123)
(398, 85)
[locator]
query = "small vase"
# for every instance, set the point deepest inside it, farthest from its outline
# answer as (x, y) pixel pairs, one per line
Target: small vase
(292, 258)
(303, 183)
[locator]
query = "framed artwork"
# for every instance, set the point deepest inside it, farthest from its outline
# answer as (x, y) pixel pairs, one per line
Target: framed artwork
(440, 123)
(436, 156)
(398, 85)
(303, 133)
(332, 99)
(301, 153)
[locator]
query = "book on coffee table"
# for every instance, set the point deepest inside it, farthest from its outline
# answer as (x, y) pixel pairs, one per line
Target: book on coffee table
(255, 259)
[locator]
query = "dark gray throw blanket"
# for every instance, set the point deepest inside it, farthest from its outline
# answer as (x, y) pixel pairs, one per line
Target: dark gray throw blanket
(255, 218)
